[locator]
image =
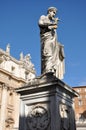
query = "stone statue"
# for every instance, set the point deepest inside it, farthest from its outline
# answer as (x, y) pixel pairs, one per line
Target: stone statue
(8, 48)
(52, 52)
(27, 62)
(21, 56)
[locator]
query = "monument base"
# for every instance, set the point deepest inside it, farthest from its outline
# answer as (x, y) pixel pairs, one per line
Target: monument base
(46, 104)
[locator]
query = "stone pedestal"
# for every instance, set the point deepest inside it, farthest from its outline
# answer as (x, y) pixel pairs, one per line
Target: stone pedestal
(46, 104)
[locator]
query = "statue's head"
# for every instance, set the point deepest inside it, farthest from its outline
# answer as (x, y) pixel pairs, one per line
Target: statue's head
(52, 9)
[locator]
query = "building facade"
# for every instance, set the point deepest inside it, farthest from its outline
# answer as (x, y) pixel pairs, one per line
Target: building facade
(13, 74)
(80, 107)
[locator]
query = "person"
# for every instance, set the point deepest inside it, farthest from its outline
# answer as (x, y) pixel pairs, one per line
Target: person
(52, 52)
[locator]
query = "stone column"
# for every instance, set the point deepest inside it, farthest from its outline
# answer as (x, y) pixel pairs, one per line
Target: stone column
(3, 107)
(16, 111)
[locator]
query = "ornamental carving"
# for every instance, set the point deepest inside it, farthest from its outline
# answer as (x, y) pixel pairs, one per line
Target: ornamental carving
(65, 117)
(38, 118)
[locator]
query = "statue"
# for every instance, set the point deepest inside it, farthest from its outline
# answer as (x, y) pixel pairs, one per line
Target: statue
(8, 48)
(21, 56)
(52, 52)
(27, 62)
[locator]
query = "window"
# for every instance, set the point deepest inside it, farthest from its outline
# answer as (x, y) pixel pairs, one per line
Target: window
(85, 89)
(80, 102)
(78, 90)
(80, 97)
(12, 68)
(26, 75)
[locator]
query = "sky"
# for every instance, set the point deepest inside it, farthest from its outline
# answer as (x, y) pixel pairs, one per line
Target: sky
(19, 28)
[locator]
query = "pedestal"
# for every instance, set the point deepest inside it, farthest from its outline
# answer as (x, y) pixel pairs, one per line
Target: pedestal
(46, 104)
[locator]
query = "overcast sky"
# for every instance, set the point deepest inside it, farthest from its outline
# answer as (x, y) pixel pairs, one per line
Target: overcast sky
(19, 28)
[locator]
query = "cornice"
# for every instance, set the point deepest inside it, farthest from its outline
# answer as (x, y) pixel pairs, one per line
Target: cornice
(12, 76)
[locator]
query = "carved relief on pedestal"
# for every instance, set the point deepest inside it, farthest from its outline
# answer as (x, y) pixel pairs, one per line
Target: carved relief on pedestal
(65, 117)
(38, 118)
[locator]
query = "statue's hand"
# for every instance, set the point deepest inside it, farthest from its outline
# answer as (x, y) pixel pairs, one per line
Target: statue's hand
(52, 27)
